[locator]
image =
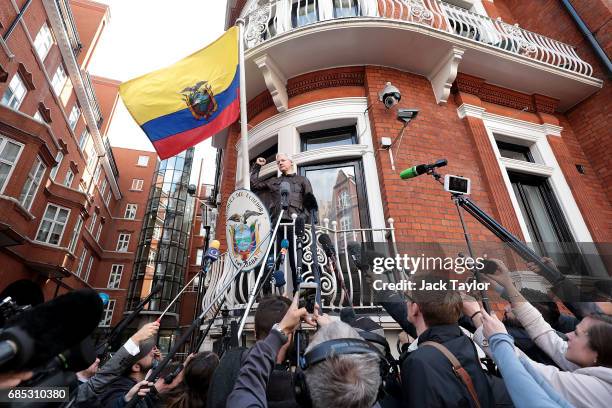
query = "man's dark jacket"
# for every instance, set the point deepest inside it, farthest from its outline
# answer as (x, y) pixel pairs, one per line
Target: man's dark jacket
(269, 192)
(428, 379)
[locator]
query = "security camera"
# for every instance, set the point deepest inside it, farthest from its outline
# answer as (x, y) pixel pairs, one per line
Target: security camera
(390, 95)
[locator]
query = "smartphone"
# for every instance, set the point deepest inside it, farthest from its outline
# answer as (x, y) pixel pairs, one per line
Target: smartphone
(308, 295)
(456, 184)
(489, 267)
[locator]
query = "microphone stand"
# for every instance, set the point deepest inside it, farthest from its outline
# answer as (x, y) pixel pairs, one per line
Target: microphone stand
(102, 348)
(194, 325)
(316, 272)
(255, 289)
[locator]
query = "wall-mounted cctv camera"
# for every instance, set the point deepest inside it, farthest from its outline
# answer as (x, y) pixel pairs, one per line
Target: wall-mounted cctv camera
(390, 96)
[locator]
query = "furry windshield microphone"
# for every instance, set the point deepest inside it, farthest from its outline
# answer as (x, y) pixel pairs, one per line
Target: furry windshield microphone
(327, 245)
(48, 329)
(310, 202)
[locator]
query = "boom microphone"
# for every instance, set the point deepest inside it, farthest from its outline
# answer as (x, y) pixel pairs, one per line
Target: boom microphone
(327, 245)
(211, 255)
(415, 171)
(300, 226)
(46, 330)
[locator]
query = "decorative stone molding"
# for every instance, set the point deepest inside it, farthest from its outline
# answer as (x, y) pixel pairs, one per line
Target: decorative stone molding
(275, 81)
(470, 110)
(444, 74)
(327, 78)
(26, 76)
(44, 112)
(259, 104)
(502, 96)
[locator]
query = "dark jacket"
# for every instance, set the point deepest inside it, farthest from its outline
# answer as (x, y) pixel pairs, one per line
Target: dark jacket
(269, 192)
(428, 379)
(113, 397)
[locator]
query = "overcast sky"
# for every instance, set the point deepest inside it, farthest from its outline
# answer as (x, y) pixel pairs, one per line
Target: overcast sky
(144, 35)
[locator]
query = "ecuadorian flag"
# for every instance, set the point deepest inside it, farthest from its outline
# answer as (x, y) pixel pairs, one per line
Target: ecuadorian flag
(185, 103)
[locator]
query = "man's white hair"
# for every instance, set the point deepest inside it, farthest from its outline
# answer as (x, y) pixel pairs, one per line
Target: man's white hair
(285, 155)
(347, 380)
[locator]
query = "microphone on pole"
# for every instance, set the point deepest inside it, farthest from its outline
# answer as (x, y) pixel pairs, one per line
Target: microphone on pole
(279, 275)
(211, 255)
(417, 170)
(48, 329)
(310, 203)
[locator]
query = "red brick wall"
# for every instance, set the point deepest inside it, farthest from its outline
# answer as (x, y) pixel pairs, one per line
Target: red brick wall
(590, 120)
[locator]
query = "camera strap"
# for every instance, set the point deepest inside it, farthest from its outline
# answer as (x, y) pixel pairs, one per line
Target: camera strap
(459, 371)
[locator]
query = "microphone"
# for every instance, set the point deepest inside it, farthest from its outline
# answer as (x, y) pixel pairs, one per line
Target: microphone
(279, 278)
(285, 189)
(47, 330)
(279, 275)
(310, 203)
(354, 250)
(327, 245)
(415, 171)
(211, 255)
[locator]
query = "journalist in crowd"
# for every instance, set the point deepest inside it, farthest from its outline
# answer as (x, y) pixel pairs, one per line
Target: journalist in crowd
(338, 380)
(583, 371)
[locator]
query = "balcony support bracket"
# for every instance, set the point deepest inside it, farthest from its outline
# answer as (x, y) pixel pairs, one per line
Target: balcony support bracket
(275, 81)
(444, 74)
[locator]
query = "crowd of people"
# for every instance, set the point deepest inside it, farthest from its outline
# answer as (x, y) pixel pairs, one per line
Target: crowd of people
(453, 353)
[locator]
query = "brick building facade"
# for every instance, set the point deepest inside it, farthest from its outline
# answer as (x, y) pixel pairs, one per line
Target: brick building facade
(523, 121)
(64, 192)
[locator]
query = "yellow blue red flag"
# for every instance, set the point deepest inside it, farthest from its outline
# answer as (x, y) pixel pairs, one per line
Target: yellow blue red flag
(189, 101)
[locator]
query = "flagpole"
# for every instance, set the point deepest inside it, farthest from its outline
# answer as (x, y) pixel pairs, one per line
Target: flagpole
(244, 140)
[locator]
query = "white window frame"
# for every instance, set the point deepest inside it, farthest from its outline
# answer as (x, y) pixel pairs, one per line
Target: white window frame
(99, 231)
(103, 186)
(81, 262)
(143, 161)
(130, 211)
(107, 198)
(58, 158)
(83, 139)
(73, 118)
(92, 222)
(74, 239)
(69, 178)
(58, 82)
(137, 184)
(114, 279)
(286, 127)
(107, 316)
(3, 142)
(89, 265)
(53, 222)
(43, 41)
(535, 137)
(123, 242)
(18, 91)
(32, 183)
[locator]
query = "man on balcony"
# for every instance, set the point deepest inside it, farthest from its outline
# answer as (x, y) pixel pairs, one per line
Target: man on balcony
(269, 192)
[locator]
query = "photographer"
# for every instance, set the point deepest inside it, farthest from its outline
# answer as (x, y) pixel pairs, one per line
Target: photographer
(338, 381)
(137, 346)
(586, 356)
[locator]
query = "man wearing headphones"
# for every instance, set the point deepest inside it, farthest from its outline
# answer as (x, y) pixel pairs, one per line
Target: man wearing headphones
(339, 368)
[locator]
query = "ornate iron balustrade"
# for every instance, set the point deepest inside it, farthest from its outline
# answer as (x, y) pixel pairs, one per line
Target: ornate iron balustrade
(93, 100)
(335, 275)
(70, 26)
(266, 19)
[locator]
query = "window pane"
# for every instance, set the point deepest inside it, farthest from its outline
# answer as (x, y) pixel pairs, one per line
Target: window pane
(328, 138)
(10, 151)
(43, 233)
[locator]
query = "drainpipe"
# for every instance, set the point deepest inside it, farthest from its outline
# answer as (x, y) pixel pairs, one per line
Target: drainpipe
(589, 36)
(14, 23)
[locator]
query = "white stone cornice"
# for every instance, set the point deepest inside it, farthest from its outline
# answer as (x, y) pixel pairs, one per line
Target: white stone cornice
(74, 72)
(527, 167)
(444, 74)
(470, 110)
(552, 130)
(275, 81)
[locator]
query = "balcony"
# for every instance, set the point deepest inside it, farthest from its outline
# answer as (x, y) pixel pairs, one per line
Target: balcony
(69, 24)
(93, 100)
(342, 281)
(111, 157)
(418, 36)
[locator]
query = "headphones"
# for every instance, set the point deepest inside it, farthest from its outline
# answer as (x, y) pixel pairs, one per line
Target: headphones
(325, 350)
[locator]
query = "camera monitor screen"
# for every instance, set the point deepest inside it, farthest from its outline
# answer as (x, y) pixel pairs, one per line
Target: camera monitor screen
(456, 184)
